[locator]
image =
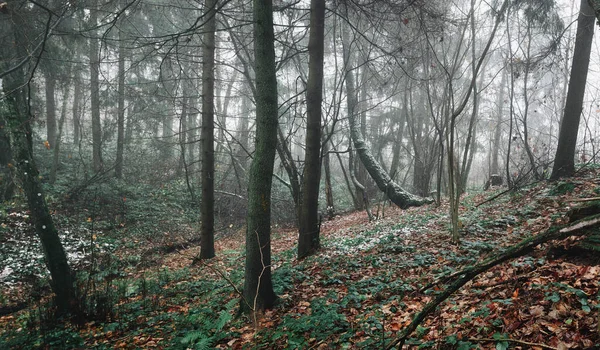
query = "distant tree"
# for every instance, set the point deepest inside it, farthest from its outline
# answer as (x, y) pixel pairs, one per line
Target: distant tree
(308, 241)
(120, 107)
(94, 59)
(258, 287)
(207, 241)
(51, 129)
(564, 161)
(7, 187)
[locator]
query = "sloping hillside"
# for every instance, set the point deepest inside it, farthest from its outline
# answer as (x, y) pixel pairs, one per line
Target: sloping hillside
(360, 291)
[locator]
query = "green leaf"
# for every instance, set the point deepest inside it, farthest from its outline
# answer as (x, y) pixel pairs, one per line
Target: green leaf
(586, 308)
(555, 297)
(503, 345)
(452, 340)
(464, 345)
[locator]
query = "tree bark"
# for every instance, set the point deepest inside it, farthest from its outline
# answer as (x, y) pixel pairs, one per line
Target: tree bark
(58, 140)
(95, 92)
(120, 109)
(328, 187)
(258, 291)
(564, 161)
(207, 211)
(50, 108)
(19, 122)
(494, 167)
(393, 191)
(309, 240)
(76, 110)
(7, 186)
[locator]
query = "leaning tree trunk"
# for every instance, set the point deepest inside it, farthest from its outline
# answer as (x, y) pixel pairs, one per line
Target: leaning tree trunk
(393, 191)
(19, 120)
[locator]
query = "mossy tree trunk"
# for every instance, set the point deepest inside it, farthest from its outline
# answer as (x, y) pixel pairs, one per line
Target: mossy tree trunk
(258, 291)
(19, 120)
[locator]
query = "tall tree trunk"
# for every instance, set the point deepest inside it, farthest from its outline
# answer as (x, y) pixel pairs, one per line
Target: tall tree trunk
(309, 240)
(7, 186)
(58, 140)
(192, 112)
(287, 160)
(50, 108)
(207, 209)
(328, 188)
(95, 91)
(166, 141)
(564, 162)
(77, 97)
(19, 124)
(494, 167)
(120, 109)
(183, 129)
(258, 287)
(399, 135)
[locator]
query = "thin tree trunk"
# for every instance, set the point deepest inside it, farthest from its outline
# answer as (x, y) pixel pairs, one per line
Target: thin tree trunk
(494, 167)
(50, 108)
(120, 109)
(58, 140)
(183, 129)
(77, 97)
(7, 186)
(285, 156)
(328, 188)
(95, 92)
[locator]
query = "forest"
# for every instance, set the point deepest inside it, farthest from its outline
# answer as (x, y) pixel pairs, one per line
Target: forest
(302, 174)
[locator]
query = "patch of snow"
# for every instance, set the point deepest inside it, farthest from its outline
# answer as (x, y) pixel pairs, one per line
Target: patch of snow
(6, 272)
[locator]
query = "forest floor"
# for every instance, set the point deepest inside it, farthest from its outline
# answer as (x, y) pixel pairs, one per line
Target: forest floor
(359, 291)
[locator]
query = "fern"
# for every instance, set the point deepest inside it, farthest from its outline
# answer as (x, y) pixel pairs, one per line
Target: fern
(224, 317)
(204, 344)
(192, 336)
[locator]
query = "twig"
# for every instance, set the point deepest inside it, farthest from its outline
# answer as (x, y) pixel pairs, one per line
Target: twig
(520, 342)
(585, 199)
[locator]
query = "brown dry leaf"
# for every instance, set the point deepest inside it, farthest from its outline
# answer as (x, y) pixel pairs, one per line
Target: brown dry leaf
(536, 311)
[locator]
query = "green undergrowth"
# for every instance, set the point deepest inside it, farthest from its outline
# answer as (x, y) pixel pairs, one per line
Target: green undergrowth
(349, 295)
